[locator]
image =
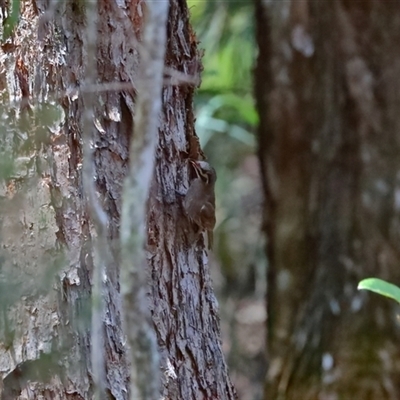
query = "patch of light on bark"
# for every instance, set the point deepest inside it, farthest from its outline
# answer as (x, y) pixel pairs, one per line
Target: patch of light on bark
(334, 306)
(284, 279)
(382, 187)
(356, 303)
(114, 114)
(205, 257)
(366, 199)
(327, 361)
(170, 370)
(302, 41)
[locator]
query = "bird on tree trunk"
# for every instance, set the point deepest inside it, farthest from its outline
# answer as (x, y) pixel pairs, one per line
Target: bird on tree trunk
(199, 202)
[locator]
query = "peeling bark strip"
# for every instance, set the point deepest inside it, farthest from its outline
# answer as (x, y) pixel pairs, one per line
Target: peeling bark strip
(145, 376)
(47, 327)
(101, 248)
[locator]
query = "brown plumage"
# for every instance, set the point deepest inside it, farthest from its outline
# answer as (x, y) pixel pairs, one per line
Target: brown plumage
(199, 202)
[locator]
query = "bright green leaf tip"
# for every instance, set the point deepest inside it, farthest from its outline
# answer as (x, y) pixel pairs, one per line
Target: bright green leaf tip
(381, 287)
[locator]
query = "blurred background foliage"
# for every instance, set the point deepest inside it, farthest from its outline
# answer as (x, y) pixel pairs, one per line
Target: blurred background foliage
(226, 122)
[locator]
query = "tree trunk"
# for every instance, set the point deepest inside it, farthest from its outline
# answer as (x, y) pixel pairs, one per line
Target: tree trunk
(46, 341)
(328, 94)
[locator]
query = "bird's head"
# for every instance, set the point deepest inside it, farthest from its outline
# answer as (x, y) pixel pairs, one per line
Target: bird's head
(204, 171)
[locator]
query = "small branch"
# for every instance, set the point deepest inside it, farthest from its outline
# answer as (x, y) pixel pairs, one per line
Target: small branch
(172, 77)
(145, 369)
(97, 214)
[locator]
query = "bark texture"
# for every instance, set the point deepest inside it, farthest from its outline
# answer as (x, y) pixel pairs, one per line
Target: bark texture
(328, 98)
(48, 330)
(184, 307)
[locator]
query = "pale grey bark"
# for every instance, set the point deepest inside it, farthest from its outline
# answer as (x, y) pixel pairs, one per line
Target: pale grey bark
(101, 248)
(134, 284)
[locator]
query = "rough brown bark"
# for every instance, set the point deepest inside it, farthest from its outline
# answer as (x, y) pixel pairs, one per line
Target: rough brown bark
(328, 95)
(43, 64)
(185, 310)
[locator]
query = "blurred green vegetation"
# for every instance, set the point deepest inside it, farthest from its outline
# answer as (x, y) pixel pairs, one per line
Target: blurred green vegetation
(11, 18)
(225, 123)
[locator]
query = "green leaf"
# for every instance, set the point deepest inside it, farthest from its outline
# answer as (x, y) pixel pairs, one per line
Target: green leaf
(381, 287)
(11, 21)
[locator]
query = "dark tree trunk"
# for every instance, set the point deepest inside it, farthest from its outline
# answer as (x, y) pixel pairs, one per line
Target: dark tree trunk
(328, 98)
(44, 65)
